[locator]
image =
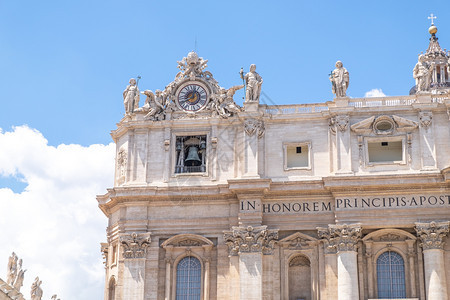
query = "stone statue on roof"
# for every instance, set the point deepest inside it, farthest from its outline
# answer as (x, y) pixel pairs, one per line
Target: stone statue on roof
(422, 74)
(253, 82)
(339, 79)
(131, 96)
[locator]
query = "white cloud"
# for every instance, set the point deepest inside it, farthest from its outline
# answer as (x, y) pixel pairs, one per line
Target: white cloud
(55, 225)
(374, 93)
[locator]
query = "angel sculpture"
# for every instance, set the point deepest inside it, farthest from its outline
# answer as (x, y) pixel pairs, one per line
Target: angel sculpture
(36, 290)
(20, 276)
(225, 105)
(12, 269)
(154, 104)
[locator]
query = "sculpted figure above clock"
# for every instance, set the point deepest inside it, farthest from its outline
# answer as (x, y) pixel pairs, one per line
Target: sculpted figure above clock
(193, 93)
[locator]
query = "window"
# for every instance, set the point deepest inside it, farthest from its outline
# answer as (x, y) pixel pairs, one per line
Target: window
(386, 150)
(391, 276)
(296, 156)
(189, 279)
(190, 154)
(112, 289)
(300, 278)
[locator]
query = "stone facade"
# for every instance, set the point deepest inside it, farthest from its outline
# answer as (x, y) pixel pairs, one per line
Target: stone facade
(278, 202)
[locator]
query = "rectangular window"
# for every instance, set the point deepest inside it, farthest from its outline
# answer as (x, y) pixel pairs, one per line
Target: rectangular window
(385, 152)
(296, 156)
(190, 154)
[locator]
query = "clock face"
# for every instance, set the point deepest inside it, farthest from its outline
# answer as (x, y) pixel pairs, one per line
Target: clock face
(192, 97)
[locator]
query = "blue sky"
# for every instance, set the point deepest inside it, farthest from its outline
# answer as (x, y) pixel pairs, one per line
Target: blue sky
(64, 65)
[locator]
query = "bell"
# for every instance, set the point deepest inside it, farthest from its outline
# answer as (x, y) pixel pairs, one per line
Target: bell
(192, 158)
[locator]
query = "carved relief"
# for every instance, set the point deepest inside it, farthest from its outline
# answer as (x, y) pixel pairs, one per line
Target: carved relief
(250, 239)
(300, 261)
(431, 234)
(338, 122)
(389, 237)
(341, 237)
(187, 240)
(425, 118)
(384, 125)
(135, 245)
(122, 158)
(298, 241)
(252, 126)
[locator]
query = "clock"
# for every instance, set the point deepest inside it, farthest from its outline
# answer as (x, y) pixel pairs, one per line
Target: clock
(192, 97)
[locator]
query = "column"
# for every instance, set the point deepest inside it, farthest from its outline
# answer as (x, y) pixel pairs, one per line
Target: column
(169, 263)
(412, 273)
(344, 239)
(431, 236)
(250, 243)
(370, 273)
(134, 254)
(207, 262)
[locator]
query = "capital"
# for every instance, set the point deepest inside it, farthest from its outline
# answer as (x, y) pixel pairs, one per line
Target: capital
(135, 245)
(250, 239)
(341, 237)
(431, 234)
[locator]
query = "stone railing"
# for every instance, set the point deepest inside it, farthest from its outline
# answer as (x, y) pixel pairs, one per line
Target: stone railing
(296, 109)
(354, 102)
(382, 101)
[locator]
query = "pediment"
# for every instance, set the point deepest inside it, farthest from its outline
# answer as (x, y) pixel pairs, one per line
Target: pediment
(187, 240)
(384, 125)
(298, 240)
(389, 235)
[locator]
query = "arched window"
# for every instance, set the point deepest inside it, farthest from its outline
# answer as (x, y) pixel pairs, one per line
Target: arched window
(112, 289)
(299, 278)
(189, 279)
(391, 276)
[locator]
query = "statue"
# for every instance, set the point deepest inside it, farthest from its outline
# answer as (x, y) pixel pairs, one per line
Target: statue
(54, 297)
(253, 84)
(154, 105)
(339, 79)
(422, 74)
(224, 103)
(20, 277)
(12, 269)
(131, 97)
(36, 291)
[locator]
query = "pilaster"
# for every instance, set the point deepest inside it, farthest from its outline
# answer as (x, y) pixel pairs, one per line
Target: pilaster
(344, 238)
(339, 125)
(250, 243)
(134, 254)
(427, 143)
(431, 236)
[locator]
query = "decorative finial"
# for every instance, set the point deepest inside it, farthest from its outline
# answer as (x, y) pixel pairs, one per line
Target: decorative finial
(433, 29)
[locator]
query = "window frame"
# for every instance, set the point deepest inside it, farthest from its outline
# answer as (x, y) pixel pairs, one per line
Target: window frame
(175, 271)
(397, 138)
(307, 144)
(405, 288)
(173, 150)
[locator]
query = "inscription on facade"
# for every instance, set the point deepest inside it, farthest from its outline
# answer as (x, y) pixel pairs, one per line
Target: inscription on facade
(346, 203)
(395, 201)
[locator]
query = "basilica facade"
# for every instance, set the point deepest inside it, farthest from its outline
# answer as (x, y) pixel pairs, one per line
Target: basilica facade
(348, 199)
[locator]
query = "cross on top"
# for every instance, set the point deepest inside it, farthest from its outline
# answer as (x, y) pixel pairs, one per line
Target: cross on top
(432, 17)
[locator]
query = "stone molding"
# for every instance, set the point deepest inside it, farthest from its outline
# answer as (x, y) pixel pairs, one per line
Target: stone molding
(249, 239)
(252, 126)
(341, 237)
(135, 245)
(431, 234)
